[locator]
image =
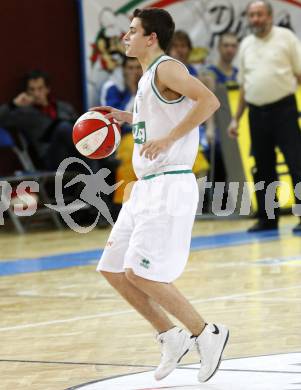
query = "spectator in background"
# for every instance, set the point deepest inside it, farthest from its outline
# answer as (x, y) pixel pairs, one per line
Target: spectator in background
(270, 66)
(120, 93)
(45, 121)
(224, 72)
(180, 49)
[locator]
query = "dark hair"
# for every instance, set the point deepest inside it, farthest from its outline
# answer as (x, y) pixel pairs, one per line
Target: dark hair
(36, 74)
(181, 35)
(227, 34)
(266, 3)
(159, 21)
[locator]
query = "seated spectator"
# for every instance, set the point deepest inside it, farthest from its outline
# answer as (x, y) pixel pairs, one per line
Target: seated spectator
(224, 72)
(47, 124)
(120, 89)
(120, 93)
(45, 121)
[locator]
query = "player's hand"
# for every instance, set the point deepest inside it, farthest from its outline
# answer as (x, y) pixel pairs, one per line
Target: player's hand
(152, 149)
(23, 100)
(119, 115)
(233, 129)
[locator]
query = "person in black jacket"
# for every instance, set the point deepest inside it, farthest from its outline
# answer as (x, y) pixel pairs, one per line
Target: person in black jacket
(45, 122)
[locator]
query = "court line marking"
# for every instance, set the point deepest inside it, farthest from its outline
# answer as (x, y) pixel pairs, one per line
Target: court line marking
(89, 257)
(36, 325)
(75, 363)
(238, 296)
(273, 300)
(182, 367)
(246, 370)
(121, 312)
(117, 299)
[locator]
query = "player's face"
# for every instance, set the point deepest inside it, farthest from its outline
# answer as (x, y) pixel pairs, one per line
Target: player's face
(259, 18)
(228, 48)
(38, 90)
(135, 41)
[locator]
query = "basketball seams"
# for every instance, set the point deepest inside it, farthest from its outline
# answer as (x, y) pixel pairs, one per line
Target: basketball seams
(96, 137)
(93, 115)
(107, 147)
(82, 130)
(117, 135)
(92, 142)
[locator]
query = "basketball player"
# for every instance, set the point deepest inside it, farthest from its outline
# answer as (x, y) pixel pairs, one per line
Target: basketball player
(149, 244)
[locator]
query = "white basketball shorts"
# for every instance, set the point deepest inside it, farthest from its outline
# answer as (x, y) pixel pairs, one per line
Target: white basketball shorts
(153, 231)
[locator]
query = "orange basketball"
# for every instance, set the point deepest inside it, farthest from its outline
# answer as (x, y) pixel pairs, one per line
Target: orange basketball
(95, 136)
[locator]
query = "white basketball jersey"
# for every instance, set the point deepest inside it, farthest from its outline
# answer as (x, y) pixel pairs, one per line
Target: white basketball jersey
(153, 118)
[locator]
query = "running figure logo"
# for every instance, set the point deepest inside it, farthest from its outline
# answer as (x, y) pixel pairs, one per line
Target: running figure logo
(95, 185)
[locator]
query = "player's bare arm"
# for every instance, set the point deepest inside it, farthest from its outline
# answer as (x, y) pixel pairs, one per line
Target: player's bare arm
(119, 115)
(173, 78)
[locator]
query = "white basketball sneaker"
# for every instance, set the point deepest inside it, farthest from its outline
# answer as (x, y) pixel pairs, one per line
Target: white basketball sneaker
(175, 343)
(210, 345)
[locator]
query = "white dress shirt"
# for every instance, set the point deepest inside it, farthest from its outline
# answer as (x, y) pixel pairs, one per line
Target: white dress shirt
(268, 66)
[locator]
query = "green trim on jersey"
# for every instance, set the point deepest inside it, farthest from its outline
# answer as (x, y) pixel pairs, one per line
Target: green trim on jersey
(157, 93)
(155, 89)
(148, 177)
(155, 60)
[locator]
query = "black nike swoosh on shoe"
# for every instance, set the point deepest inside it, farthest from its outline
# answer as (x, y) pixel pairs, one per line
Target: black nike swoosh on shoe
(216, 331)
(180, 358)
(220, 359)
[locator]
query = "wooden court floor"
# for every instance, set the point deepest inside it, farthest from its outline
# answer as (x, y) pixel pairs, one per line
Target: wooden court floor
(63, 327)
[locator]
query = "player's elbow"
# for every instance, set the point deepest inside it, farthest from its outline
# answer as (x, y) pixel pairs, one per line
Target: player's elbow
(215, 103)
